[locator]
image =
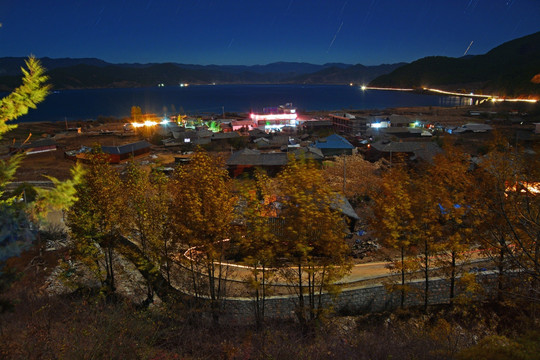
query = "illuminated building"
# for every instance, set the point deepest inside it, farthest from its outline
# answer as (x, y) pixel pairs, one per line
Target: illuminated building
(275, 118)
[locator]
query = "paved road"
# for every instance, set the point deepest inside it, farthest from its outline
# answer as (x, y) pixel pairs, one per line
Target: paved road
(358, 272)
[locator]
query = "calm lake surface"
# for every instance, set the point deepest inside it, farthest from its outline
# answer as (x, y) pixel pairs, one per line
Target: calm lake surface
(208, 99)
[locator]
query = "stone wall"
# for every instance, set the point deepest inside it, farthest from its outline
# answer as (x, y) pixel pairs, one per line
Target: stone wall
(361, 299)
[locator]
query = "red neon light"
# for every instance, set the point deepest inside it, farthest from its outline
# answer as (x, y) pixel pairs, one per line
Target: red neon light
(274, 117)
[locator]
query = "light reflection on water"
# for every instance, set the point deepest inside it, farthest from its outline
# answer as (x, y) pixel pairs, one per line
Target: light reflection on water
(207, 99)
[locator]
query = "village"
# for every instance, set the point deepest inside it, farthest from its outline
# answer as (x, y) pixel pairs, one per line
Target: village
(267, 141)
(262, 140)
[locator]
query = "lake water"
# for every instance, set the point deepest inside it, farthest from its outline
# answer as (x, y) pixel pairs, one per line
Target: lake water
(208, 99)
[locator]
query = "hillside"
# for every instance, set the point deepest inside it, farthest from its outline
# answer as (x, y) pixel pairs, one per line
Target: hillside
(358, 74)
(507, 70)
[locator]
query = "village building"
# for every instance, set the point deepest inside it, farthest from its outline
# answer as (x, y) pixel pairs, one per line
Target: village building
(246, 160)
(35, 147)
(125, 152)
(334, 145)
(312, 126)
(408, 150)
(349, 124)
(115, 154)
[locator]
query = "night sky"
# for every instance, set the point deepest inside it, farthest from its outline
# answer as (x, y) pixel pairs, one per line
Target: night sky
(248, 32)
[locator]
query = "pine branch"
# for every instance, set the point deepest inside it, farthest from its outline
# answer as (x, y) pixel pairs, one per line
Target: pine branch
(32, 91)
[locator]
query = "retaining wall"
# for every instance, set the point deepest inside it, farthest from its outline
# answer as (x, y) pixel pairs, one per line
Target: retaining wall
(362, 299)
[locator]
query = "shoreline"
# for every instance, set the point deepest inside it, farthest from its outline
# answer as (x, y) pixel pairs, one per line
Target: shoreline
(175, 97)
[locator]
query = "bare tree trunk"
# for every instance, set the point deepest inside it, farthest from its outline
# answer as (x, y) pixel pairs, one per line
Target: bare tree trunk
(402, 277)
(257, 301)
(110, 269)
(167, 262)
(453, 277)
(426, 274)
(301, 307)
(193, 276)
(321, 287)
(500, 275)
(310, 294)
(263, 292)
(213, 293)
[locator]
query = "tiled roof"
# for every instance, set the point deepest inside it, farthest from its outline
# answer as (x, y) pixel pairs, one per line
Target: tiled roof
(343, 205)
(421, 149)
(248, 157)
(333, 141)
(309, 153)
(225, 135)
(184, 134)
(125, 149)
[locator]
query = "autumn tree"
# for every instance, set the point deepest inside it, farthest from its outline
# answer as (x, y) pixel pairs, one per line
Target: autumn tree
(95, 219)
(510, 213)
(454, 194)
(353, 176)
(259, 239)
(427, 228)
(312, 237)
(202, 214)
(146, 221)
(406, 217)
(393, 221)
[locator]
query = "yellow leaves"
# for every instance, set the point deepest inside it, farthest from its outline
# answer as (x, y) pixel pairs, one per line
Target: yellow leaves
(311, 227)
(354, 174)
(202, 201)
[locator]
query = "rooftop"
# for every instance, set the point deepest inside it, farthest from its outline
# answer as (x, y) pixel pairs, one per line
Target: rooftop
(125, 149)
(333, 141)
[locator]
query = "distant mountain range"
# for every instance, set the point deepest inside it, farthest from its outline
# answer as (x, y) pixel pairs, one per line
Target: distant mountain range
(512, 69)
(67, 73)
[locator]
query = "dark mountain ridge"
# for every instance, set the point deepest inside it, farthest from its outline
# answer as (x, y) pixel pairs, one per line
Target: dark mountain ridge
(96, 73)
(506, 70)
(357, 74)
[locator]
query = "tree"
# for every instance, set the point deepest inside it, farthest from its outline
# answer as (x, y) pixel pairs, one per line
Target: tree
(427, 228)
(61, 196)
(259, 242)
(14, 235)
(146, 200)
(95, 219)
(454, 194)
(311, 238)
(406, 217)
(355, 177)
(32, 91)
(393, 220)
(509, 208)
(202, 214)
